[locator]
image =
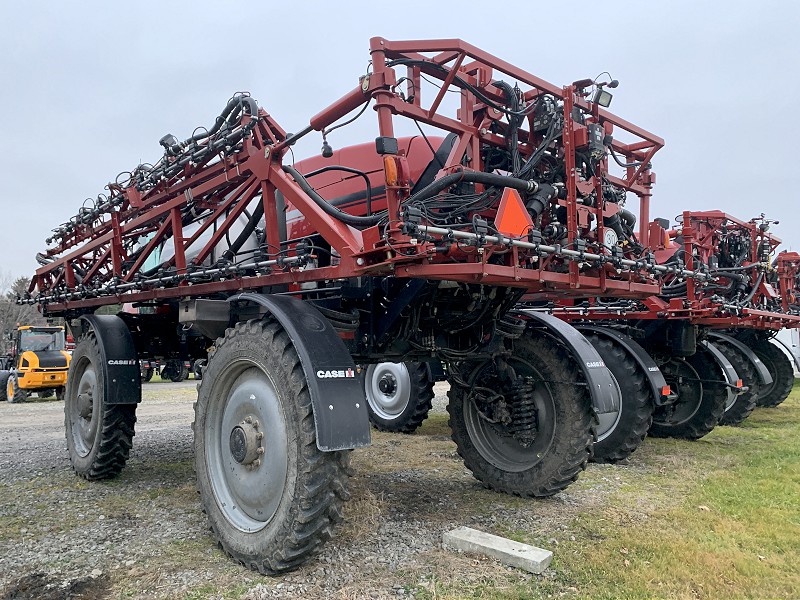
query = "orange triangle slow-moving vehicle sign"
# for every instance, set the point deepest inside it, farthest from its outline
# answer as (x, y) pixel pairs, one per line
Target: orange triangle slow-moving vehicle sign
(512, 217)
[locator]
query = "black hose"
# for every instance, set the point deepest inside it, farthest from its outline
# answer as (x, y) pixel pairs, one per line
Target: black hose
(255, 218)
(363, 175)
(628, 217)
(327, 206)
(430, 190)
(755, 287)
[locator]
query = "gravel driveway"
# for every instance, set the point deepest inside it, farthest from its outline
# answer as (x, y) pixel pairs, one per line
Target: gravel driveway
(143, 534)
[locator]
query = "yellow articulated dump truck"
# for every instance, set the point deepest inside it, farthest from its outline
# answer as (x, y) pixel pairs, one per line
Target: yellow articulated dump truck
(37, 363)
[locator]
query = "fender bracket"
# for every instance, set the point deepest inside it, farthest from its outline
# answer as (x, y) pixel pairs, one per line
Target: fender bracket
(337, 394)
(605, 394)
(122, 380)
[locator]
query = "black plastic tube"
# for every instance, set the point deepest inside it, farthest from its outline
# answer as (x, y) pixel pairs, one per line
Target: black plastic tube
(327, 206)
(430, 190)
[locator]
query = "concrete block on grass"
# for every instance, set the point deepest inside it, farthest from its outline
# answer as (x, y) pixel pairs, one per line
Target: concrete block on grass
(508, 552)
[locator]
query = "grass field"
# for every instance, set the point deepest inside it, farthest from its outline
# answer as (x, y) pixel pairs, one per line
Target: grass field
(717, 518)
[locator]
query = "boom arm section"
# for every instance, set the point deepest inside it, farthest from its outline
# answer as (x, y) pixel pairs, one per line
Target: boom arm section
(526, 196)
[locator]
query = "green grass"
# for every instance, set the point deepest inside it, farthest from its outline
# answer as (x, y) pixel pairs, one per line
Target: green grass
(717, 518)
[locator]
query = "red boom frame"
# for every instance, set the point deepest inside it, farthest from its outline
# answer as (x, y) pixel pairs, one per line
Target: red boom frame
(98, 257)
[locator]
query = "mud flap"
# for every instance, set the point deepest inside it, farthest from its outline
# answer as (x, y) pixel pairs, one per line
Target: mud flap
(337, 396)
(761, 369)
(605, 392)
(655, 379)
(122, 381)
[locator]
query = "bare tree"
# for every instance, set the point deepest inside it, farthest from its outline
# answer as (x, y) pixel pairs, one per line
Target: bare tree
(12, 314)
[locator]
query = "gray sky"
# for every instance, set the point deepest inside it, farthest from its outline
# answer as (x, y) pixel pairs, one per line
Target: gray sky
(88, 88)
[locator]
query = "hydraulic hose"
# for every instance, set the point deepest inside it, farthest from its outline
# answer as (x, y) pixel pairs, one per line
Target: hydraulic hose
(430, 190)
(327, 206)
(246, 232)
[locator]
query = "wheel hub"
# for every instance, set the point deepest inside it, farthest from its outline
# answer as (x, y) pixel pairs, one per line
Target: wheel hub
(245, 443)
(388, 384)
(85, 404)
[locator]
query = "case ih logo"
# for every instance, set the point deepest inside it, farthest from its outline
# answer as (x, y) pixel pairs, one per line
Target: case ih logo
(595, 364)
(122, 362)
(348, 373)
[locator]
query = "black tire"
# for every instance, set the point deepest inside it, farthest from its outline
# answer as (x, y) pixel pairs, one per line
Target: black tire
(14, 393)
(99, 435)
(563, 436)
(405, 401)
(46, 393)
(146, 374)
(270, 518)
(780, 367)
(175, 371)
(60, 393)
(742, 404)
(197, 368)
(619, 439)
(4, 376)
(699, 405)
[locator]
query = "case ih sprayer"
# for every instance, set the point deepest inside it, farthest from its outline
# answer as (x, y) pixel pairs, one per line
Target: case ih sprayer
(408, 248)
(708, 339)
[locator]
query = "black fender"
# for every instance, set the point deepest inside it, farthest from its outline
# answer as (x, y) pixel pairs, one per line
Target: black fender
(731, 376)
(340, 408)
(655, 378)
(761, 369)
(122, 381)
(605, 393)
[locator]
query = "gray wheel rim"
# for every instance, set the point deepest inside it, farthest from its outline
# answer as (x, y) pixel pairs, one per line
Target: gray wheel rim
(388, 406)
(607, 422)
(498, 447)
(84, 409)
(248, 495)
(684, 409)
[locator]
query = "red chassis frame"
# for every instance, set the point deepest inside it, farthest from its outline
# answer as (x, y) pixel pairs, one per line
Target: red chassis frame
(701, 232)
(98, 258)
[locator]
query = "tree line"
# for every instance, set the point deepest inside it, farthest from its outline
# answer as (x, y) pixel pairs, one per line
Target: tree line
(12, 314)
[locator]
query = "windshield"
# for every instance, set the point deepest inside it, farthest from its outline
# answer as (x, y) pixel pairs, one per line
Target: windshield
(38, 341)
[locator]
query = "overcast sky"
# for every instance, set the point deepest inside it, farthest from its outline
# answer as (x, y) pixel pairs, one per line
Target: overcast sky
(88, 88)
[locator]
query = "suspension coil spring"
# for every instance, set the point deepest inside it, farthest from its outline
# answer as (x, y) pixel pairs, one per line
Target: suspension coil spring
(524, 423)
(511, 327)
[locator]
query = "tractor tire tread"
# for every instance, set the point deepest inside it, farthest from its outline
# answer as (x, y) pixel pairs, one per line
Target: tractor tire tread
(422, 390)
(578, 429)
(783, 375)
(323, 474)
(637, 402)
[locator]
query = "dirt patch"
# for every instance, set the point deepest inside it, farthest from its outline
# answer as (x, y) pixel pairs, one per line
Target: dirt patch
(38, 586)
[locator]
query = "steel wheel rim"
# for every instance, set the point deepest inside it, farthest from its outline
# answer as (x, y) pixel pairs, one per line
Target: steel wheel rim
(683, 410)
(495, 444)
(84, 408)
(388, 406)
(10, 389)
(248, 495)
(607, 422)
